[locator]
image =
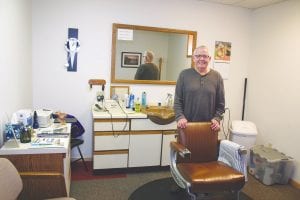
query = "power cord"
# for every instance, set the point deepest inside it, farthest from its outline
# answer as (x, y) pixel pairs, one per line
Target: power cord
(226, 132)
(111, 120)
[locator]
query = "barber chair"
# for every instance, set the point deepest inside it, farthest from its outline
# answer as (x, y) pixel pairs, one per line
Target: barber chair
(207, 167)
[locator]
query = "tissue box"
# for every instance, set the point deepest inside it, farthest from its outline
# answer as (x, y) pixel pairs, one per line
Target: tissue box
(270, 166)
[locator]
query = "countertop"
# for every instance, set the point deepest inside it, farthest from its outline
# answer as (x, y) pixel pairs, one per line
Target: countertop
(28, 148)
(117, 113)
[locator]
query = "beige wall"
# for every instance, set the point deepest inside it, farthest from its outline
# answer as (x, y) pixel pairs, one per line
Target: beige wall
(15, 58)
(273, 97)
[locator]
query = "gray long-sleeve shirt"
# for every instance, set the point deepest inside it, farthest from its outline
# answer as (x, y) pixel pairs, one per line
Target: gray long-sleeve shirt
(199, 98)
(147, 71)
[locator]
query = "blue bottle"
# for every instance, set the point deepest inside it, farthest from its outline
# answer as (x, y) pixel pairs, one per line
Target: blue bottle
(131, 101)
(144, 97)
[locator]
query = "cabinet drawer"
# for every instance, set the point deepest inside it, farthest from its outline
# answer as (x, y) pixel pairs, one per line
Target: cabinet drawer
(110, 160)
(147, 124)
(111, 141)
(111, 125)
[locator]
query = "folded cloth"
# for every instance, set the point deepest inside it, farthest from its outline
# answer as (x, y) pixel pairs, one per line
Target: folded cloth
(229, 154)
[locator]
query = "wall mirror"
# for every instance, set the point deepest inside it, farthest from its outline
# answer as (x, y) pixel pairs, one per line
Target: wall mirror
(172, 52)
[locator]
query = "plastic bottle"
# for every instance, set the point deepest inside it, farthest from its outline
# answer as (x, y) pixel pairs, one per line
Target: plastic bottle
(144, 97)
(137, 105)
(126, 97)
(131, 101)
(35, 124)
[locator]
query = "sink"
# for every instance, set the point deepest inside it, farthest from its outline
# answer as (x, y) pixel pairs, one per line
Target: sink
(160, 114)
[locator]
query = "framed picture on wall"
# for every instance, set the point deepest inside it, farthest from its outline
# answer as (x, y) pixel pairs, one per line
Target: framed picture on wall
(131, 59)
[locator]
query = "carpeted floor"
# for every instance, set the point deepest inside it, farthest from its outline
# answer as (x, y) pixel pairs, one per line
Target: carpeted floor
(79, 173)
(160, 190)
(123, 187)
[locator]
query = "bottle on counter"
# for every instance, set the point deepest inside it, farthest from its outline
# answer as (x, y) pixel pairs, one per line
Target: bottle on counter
(126, 97)
(25, 135)
(144, 99)
(35, 124)
(131, 101)
(137, 105)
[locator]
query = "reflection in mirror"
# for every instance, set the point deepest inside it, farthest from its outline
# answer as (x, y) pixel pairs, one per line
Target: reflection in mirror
(172, 50)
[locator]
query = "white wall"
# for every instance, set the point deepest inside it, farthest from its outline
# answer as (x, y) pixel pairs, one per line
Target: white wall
(273, 97)
(54, 87)
(15, 58)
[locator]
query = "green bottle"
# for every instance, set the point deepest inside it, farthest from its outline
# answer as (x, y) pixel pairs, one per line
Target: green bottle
(137, 105)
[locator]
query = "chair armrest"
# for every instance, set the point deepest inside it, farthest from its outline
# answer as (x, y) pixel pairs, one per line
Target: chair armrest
(180, 149)
(242, 150)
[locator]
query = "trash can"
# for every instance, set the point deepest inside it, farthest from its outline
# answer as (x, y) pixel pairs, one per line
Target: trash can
(243, 133)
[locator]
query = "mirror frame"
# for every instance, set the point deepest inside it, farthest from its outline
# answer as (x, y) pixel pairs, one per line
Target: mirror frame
(146, 28)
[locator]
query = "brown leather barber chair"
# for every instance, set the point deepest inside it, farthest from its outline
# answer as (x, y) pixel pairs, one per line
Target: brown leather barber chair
(200, 170)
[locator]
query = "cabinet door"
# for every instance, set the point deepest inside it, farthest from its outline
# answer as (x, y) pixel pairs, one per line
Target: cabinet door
(168, 136)
(145, 148)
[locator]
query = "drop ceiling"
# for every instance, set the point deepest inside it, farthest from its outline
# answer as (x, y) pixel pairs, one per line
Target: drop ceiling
(250, 4)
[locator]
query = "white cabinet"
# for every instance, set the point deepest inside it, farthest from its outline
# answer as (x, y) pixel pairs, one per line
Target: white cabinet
(144, 148)
(168, 136)
(134, 142)
(111, 143)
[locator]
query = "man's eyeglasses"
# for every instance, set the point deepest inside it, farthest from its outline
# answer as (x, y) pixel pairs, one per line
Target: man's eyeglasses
(201, 56)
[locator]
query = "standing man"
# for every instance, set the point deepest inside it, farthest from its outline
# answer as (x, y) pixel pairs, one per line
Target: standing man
(199, 93)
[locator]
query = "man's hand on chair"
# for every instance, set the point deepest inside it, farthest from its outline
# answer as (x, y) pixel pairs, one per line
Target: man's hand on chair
(182, 123)
(215, 125)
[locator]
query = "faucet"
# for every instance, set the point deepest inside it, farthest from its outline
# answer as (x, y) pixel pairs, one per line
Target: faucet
(169, 100)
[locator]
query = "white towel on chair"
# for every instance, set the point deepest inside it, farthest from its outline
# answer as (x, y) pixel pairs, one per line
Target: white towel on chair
(229, 154)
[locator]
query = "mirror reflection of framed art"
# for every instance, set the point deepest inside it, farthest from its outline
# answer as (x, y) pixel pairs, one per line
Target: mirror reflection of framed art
(131, 59)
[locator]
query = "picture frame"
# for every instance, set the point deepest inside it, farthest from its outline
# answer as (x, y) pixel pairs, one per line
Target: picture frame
(119, 90)
(131, 59)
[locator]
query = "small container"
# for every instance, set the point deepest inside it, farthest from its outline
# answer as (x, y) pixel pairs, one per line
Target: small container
(144, 97)
(35, 124)
(25, 136)
(131, 101)
(137, 105)
(270, 166)
(126, 97)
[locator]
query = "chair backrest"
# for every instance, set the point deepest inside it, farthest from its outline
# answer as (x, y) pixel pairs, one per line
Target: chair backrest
(200, 140)
(76, 128)
(10, 181)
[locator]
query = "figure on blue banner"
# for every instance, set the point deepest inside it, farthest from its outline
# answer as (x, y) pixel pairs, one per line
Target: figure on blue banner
(72, 47)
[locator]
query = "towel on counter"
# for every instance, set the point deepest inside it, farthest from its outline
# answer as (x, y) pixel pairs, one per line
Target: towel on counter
(229, 154)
